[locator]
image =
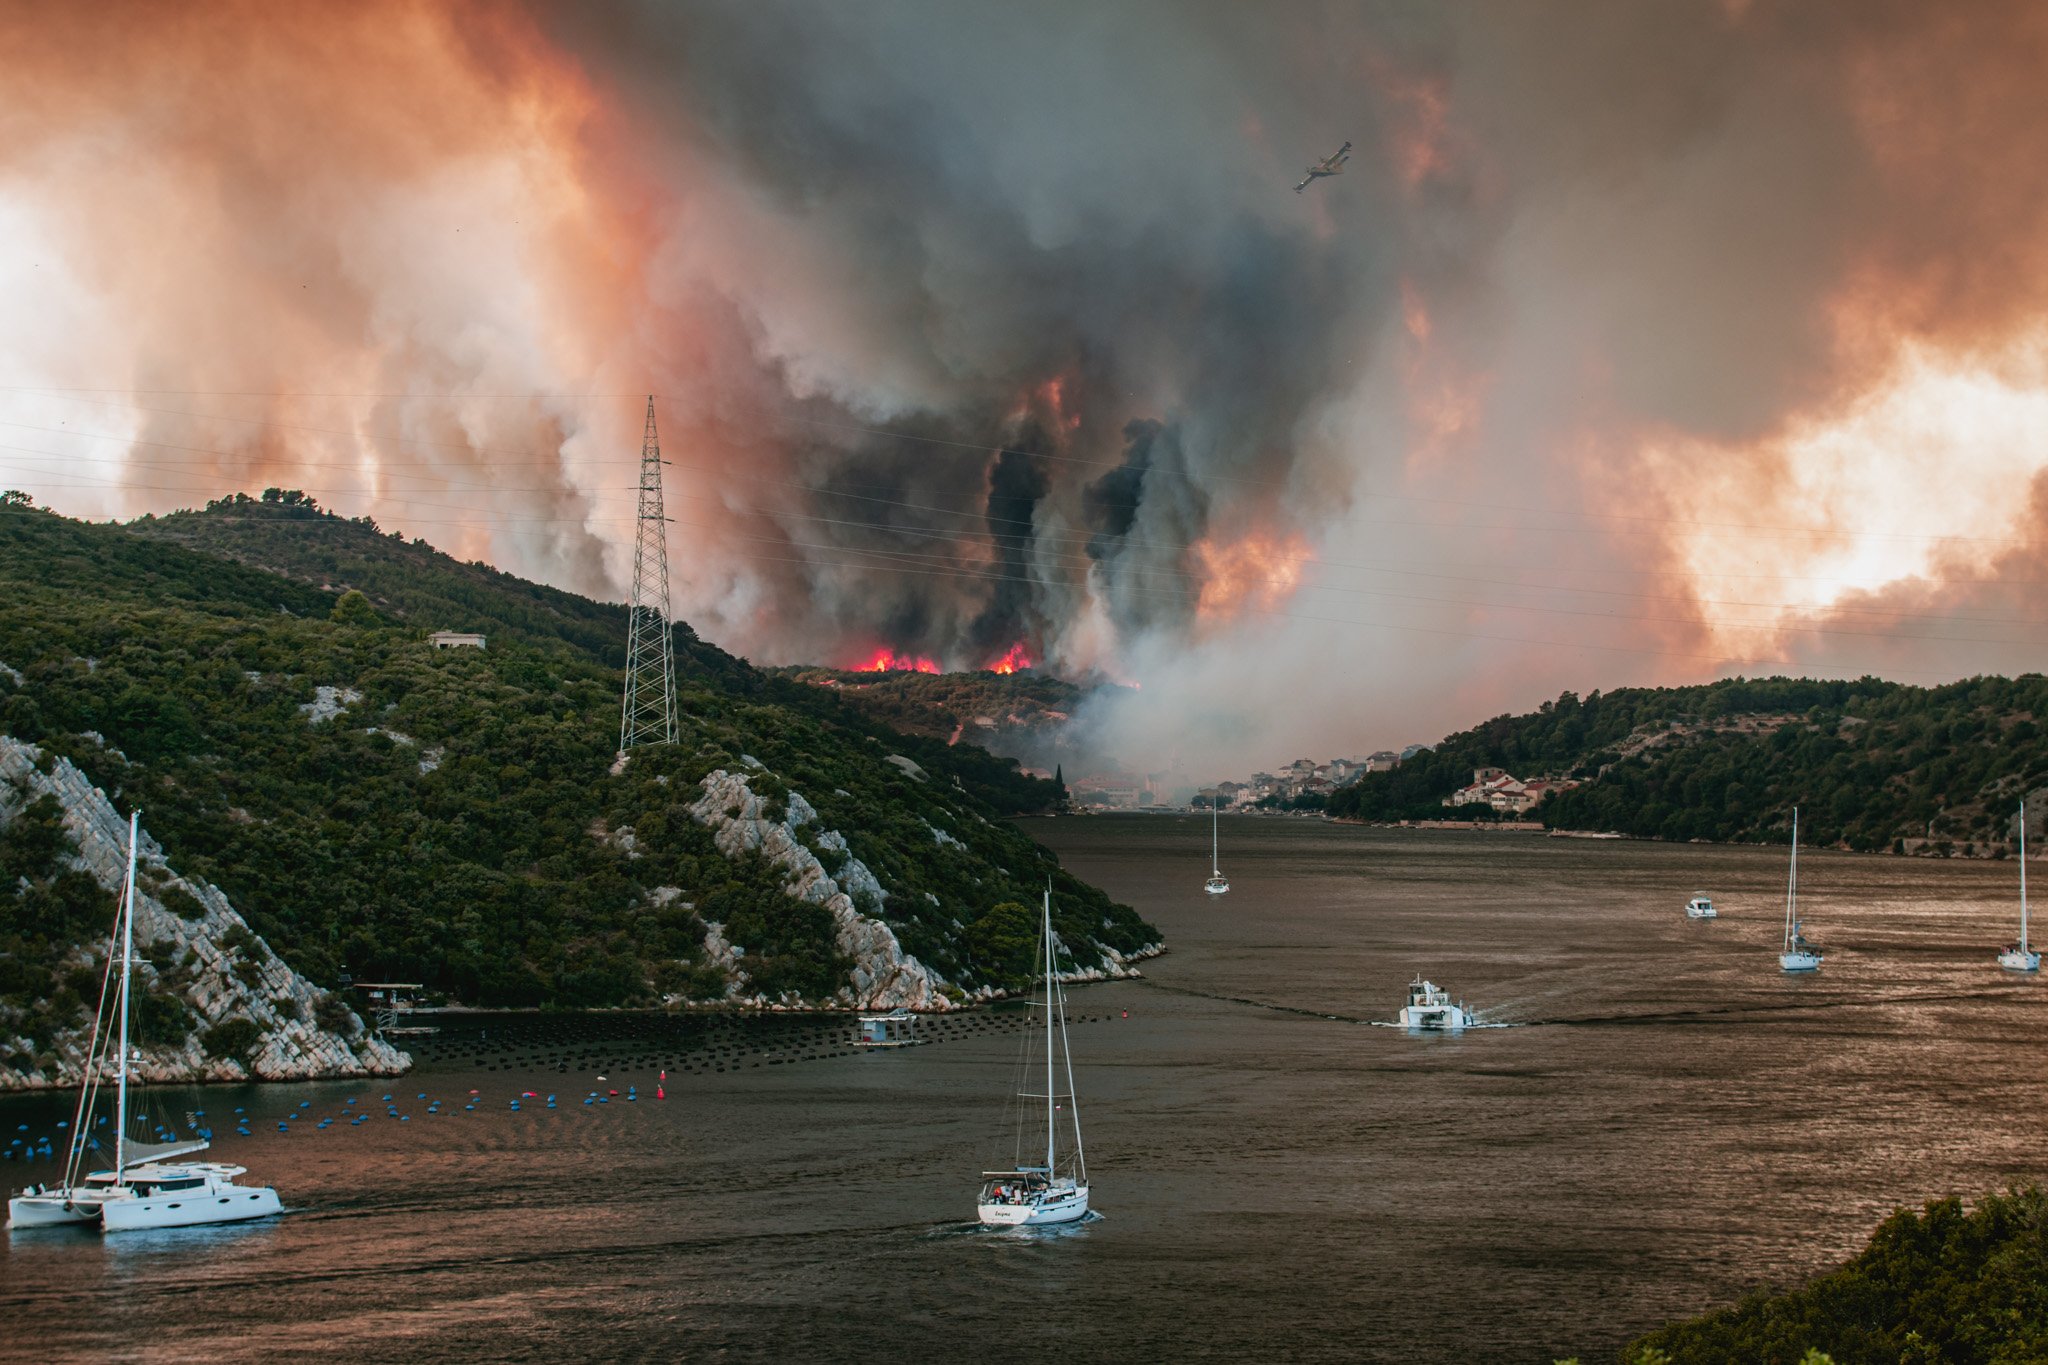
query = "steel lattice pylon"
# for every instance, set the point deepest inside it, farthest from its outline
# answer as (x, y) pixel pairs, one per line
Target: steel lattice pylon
(648, 715)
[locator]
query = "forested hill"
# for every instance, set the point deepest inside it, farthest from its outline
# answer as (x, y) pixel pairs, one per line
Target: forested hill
(376, 806)
(1945, 1284)
(1870, 764)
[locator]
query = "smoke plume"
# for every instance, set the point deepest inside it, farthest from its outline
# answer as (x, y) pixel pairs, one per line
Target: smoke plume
(1635, 343)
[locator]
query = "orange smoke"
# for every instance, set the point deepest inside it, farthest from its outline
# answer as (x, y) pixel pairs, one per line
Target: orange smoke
(1256, 572)
(888, 661)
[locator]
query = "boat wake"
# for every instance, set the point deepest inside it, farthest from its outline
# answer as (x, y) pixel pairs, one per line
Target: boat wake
(1044, 1232)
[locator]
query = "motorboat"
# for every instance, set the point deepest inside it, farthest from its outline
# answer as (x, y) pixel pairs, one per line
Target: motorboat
(1430, 1008)
(1031, 1194)
(2018, 957)
(1701, 907)
(1797, 954)
(145, 1188)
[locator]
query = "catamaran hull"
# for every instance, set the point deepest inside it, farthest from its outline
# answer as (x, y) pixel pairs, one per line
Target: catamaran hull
(50, 1211)
(190, 1208)
(2020, 962)
(1048, 1214)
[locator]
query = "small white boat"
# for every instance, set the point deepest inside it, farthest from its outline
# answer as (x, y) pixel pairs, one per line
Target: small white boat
(145, 1189)
(1797, 954)
(1430, 1007)
(1033, 1195)
(1701, 907)
(2019, 957)
(1217, 883)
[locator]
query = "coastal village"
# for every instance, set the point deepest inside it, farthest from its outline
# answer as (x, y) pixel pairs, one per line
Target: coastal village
(1303, 784)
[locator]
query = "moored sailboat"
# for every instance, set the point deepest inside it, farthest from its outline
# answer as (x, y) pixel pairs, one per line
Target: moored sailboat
(1797, 954)
(2019, 957)
(145, 1188)
(1217, 883)
(1033, 1195)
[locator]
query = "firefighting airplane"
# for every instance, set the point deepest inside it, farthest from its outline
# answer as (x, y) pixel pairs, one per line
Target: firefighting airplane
(1333, 165)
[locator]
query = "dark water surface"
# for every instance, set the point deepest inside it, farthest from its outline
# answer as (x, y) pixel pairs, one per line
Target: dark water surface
(1671, 1123)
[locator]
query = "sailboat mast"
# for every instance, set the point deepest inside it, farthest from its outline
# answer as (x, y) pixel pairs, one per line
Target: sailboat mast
(2023, 876)
(1792, 887)
(1049, 1107)
(1215, 863)
(127, 963)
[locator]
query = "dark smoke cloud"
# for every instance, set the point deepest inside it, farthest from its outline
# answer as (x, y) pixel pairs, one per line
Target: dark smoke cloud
(976, 325)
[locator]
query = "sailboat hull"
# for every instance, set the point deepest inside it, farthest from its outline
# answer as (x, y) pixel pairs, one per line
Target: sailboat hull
(1799, 962)
(2014, 960)
(1062, 1206)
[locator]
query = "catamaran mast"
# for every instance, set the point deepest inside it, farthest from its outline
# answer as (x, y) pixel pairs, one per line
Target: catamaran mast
(127, 963)
(1049, 1107)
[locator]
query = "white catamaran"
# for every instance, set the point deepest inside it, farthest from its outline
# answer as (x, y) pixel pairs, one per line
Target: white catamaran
(1037, 1196)
(145, 1189)
(2019, 957)
(1217, 883)
(1798, 955)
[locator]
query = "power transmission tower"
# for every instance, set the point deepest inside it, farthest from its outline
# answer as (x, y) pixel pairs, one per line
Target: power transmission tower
(648, 715)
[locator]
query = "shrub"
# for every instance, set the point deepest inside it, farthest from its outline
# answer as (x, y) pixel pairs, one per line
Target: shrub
(182, 903)
(232, 1039)
(332, 1013)
(162, 1020)
(354, 609)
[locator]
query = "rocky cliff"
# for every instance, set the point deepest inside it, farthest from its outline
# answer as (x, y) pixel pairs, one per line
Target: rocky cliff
(883, 976)
(202, 955)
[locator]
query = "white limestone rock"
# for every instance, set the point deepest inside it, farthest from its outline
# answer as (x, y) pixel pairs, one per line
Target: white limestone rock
(277, 999)
(883, 975)
(327, 703)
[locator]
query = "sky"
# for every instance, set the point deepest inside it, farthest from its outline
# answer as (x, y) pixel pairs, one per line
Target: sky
(1636, 344)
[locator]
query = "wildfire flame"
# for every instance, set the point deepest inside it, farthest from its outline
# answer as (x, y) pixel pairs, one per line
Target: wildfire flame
(1015, 661)
(888, 661)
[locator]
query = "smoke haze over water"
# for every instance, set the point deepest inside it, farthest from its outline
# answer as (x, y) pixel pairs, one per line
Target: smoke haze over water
(1636, 344)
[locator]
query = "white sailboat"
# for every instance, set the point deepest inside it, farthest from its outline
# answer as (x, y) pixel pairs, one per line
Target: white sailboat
(145, 1188)
(1797, 955)
(2019, 957)
(1039, 1196)
(1217, 883)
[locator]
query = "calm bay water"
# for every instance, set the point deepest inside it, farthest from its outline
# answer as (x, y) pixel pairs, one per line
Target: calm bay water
(1670, 1123)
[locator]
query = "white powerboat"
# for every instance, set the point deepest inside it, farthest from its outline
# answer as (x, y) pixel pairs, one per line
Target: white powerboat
(1430, 1007)
(1217, 883)
(1797, 954)
(145, 1188)
(2019, 957)
(1700, 907)
(1034, 1195)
